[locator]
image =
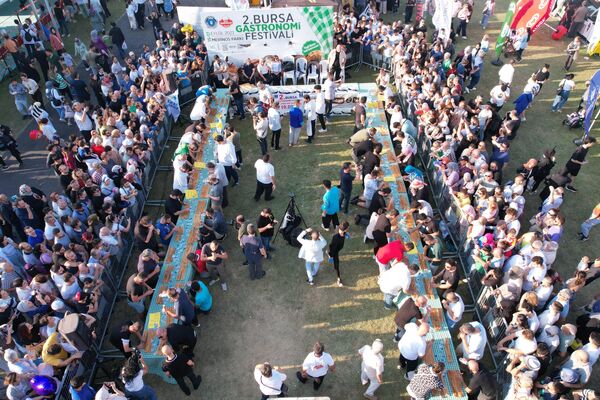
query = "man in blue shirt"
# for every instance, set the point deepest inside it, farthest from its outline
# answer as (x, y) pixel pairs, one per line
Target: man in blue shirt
(184, 309)
(346, 180)
(80, 390)
(296, 118)
(331, 205)
(166, 229)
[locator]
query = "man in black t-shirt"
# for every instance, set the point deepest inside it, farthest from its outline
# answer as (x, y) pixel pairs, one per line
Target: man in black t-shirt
(372, 160)
(120, 336)
(447, 278)
(379, 200)
(382, 228)
(578, 159)
(482, 385)
(179, 366)
(181, 337)
(174, 206)
(238, 97)
(409, 309)
(266, 228)
(542, 75)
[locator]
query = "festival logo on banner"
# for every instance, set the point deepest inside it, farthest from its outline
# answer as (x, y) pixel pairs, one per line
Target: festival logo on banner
(532, 14)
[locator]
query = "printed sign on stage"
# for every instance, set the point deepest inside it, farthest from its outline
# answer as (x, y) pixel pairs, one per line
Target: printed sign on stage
(256, 33)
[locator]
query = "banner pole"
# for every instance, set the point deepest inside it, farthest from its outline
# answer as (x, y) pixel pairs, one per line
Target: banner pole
(578, 142)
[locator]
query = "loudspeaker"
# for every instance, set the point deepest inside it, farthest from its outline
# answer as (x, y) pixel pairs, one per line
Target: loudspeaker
(73, 327)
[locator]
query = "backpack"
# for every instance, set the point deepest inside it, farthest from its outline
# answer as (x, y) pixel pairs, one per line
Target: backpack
(28, 36)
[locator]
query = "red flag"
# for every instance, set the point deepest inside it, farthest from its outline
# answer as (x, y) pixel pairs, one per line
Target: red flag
(532, 13)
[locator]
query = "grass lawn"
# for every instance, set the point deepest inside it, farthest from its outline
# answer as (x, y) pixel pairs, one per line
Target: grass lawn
(279, 318)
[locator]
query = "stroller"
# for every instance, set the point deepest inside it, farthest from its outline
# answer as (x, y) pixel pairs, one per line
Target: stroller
(575, 119)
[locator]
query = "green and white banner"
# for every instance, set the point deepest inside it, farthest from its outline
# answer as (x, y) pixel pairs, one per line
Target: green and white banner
(259, 32)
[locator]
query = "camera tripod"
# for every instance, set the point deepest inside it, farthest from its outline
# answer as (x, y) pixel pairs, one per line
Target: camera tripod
(293, 210)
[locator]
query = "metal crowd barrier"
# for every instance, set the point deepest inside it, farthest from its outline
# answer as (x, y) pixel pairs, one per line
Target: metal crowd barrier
(115, 271)
(457, 226)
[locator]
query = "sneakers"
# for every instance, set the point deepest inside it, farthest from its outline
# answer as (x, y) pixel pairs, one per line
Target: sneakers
(322, 130)
(213, 281)
(5, 167)
(311, 283)
(224, 286)
(582, 238)
(396, 339)
(323, 226)
(369, 396)
(571, 188)
(339, 283)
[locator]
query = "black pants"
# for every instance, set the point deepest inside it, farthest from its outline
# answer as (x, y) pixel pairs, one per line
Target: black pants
(322, 121)
(345, 201)
(140, 15)
(37, 96)
(462, 27)
(329, 218)
(230, 172)
(267, 188)
(408, 12)
(337, 72)
(238, 154)
(275, 136)
(336, 264)
(195, 379)
(313, 127)
(262, 142)
(409, 365)
(328, 107)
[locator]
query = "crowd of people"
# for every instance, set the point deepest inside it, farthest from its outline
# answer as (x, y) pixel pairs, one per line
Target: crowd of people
(57, 247)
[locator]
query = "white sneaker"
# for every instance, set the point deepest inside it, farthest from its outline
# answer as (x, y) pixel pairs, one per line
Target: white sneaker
(224, 286)
(322, 130)
(340, 284)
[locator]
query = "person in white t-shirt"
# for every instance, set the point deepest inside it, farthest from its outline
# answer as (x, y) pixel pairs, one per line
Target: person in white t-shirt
(264, 93)
(371, 368)
(507, 72)
(270, 380)
(455, 307)
(316, 365)
(329, 93)
(265, 178)
(593, 348)
(412, 346)
(320, 107)
(473, 341)
(310, 110)
(274, 119)
(499, 95)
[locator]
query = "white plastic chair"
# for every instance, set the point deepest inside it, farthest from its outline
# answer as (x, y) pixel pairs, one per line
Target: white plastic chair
(313, 73)
(301, 65)
(288, 74)
(324, 67)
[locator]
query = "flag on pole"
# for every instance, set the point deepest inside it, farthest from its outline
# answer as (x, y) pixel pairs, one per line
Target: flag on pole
(592, 98)
(505, 31)
(172, 105)
(532, 14)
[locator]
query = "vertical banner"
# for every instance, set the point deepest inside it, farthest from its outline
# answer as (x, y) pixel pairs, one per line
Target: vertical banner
(260, 32)
(172, 105)
(532, 14)
(442, 17)
(590, 105)
(505, 31)
(594, 42)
